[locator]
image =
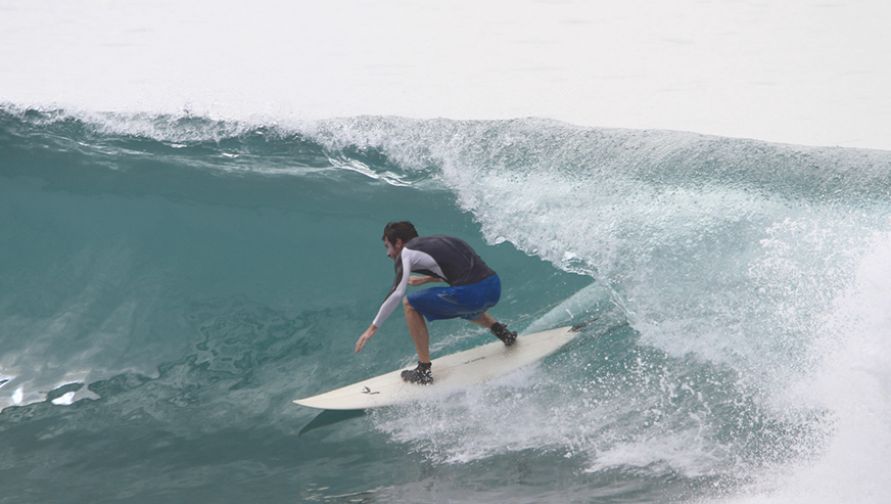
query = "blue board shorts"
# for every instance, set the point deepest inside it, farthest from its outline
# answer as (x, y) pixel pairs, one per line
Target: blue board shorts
(466, 301)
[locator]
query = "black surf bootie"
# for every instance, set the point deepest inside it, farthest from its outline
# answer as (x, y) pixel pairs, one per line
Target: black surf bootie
(420, 375)
(501, 332)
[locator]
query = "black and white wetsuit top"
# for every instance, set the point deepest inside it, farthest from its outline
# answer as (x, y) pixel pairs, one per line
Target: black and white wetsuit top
(442, 256)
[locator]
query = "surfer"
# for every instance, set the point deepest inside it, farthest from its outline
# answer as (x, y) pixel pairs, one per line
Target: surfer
(473, 289)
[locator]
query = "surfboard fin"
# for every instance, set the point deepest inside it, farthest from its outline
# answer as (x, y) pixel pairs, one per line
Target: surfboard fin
(330, 417)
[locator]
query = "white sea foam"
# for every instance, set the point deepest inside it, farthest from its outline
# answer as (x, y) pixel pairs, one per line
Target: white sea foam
(854, 381)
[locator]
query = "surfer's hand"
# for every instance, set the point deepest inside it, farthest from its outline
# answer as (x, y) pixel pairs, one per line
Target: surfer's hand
(365, 337)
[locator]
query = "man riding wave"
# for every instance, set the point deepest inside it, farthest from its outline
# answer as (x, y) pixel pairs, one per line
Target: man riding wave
(473, 289)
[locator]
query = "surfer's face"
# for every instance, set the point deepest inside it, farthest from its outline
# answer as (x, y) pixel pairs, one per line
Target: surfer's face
(393, 251)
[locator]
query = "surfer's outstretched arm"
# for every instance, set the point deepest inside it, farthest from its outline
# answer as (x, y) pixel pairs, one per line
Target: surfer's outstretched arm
(372, 329)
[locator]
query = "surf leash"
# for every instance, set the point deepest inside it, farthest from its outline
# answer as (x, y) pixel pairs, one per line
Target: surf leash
(548, 307)
(578, 327)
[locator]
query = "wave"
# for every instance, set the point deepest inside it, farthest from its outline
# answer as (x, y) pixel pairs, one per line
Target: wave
(194, 272)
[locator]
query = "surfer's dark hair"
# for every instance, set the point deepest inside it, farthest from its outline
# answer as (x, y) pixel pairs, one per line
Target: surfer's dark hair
(399, 230)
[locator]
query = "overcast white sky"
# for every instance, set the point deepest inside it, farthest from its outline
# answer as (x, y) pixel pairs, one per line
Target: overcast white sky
(799, 71)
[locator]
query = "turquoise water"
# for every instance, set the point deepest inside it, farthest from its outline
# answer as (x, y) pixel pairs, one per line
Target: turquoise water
(169, 284)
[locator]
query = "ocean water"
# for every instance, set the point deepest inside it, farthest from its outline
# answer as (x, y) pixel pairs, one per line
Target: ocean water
(169, 283)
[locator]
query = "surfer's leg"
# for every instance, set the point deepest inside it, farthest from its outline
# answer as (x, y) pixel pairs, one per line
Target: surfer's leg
(498, 329)
(484, 320)
(417, 327)
(487, 293)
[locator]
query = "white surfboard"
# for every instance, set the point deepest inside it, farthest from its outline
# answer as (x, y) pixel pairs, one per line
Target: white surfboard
(451, 372)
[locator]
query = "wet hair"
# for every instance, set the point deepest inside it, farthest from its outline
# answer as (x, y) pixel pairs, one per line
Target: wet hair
(399, 230)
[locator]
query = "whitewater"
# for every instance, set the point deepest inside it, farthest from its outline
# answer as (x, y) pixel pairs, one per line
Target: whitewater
(190, 238)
